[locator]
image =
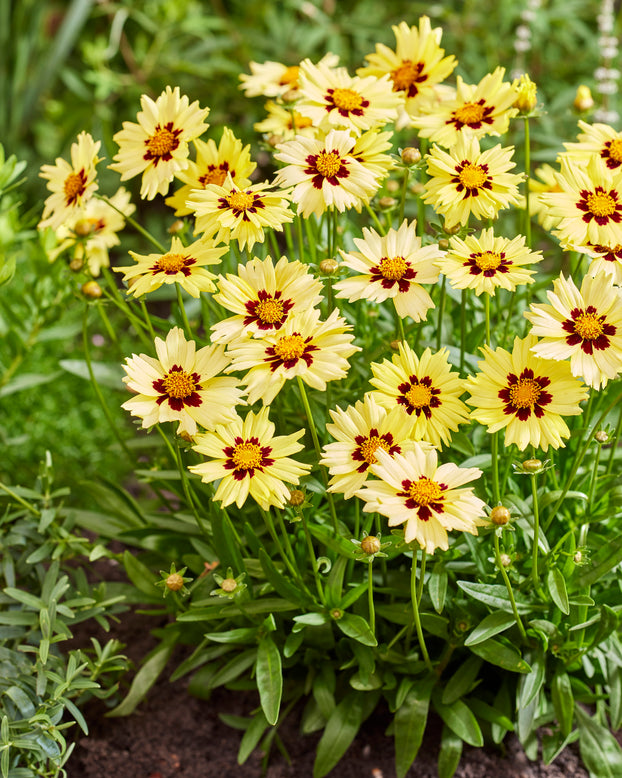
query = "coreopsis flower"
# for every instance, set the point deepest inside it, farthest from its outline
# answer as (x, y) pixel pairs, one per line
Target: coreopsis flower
(526, 395)
(393, 267)
(583, 325)
(605, 259)
(262, 296)
(526, 94)
(477, 109)
(369, 149)
(583, 101)
(284, 124)
(359, 432)
(72, 183)
(544, 180)
(465, 181)
(213, 165)
(182, 385)
(426, 498)
(229, 212)
(183, 265)
(417, 64)
(332, 98)
(589, 207)
(597, 140)
(273, 79)
(425, 388)
(488, 262)
(315, 350)
(324, 173)
(248, 458)
(156, 146)
(93, 230)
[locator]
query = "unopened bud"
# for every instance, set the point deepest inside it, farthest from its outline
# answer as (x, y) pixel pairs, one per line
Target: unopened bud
(443, 244)
(411, 155)
(329, 266)
(395, 345)
(336, 614)
(526, 96)
(229, 585)
(462, 626)
(176, 226)
(291, 95)
(175, 582)
(387, 202)
(451, 229)
(274, 140)
(500, 515)
(296, 497)
(91, 289)
(532, 465)
(417, 188)
(601, 437)
(577, 558)
(76, 264)
(583, 101)
(392, 186)
(506, 560)
(84, 227)
(370, 545)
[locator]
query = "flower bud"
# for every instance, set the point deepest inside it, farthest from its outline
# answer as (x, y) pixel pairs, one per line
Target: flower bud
(526, 97)
(506, 560)
(84, 227)
(229, 585)
(76, 264)
(583, 101)
(274, 140)
(336, 614)
(577, 558)
(394, 345)
(392, 186)
(411, 155)
(296, 497)
(532, 465)
(176, 226)
(91, 289)
(174, 582)
(601, 437)
(290, 95)
(370, 545)
(387, 202)
(500, 515)
(443, 244)
(453, 229)
(329, 266)
(418, 188)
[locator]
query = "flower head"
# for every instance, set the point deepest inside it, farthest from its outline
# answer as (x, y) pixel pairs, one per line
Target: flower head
(247, 458)
(392, 266)
(182, 385)
(284, 124)
(230, 212)
(598, 141)
(544, 180)
(488, 262)
(72, 183)
(583, 325)
(526, 94)
(465, 180)
(606, 260)
(316, 351)
(213, 165)
(427, 498)
(184, 265)
(525, 395)
(262, 296)
(477, 109)
(425, 388)
(156, 146)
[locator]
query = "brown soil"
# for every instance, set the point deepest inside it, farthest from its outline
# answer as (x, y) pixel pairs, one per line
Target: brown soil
(173, 735)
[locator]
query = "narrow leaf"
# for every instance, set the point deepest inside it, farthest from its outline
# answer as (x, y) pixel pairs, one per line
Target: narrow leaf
(410, 721)
(450, 753)
(499, 654)
(340, 731)
(491, 625)
(269, 678)
(557, 589)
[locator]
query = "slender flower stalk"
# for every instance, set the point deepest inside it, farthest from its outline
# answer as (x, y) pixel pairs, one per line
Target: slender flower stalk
(415, 603)
(508, 586)
(536, 532)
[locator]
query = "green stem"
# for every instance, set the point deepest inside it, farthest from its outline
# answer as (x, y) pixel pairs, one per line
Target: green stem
(147, 318)
(415, 604)
(441, 310)
(379, 228)
(494, 454)
(403, 195)
(370, 598)
(614, 442)
(421, 576)
(401, 335)
(508, 586)
(592, 486)
(487, 317)
(527, 193)
(536, 533)
(134, 224)
(20, 500)
(313, 558)
(182, 311)
(463, 299)
(106, 321)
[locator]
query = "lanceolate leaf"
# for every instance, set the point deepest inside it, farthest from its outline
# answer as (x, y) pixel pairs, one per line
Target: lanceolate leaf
(492, 625)
(498, 653)
(357, 628)
(340, 731)
(494, 595)
(269, 678)
(410, 720)
(460, 719)
(606, 558)
(600, 751)
(450, 753)
(557, 588)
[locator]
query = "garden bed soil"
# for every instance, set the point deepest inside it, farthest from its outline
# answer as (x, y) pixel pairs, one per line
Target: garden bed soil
(174, 735)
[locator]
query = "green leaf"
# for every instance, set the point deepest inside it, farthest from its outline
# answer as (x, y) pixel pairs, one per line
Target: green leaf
(491, 625)
(499, 654)
(460, 719)
(252, 736)
(340, 731)
(614, 677)
(606, 558)
(450, 753)
(139, 574)
(27, 381)
(600, 751)
(269, 678)
(409, 725)
(357, 628)
(239, 635)
(281, 584)
(557, 589)
(486, 712)
(225, 544)
(495, 595)
(144, 679)
(530, 684)
(337, 543)
(461, 681)
(563, 702)
(437, 587)
(107, 374)
(22, 701)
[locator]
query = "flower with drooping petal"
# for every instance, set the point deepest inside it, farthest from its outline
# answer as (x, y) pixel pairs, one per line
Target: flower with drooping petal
(544, 180)
(72, 183)
(488, 262)
(589, 207)
(605, 259)
(262, 296)
(331, 97)
(324, 173)
(229, 212)
(526, 395)
(416, 66)
(583, 325)
(392, 266)
(428, 498)
(156, 146)
(597, 140)
(465, 181)
(213, 165)
(425, 388)
(284, 124)
(359, 432)
(477, 109)
(274, 79)
(182, 385)
(183, 265)
(249, 459)
(369, 149)
(316, 351)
